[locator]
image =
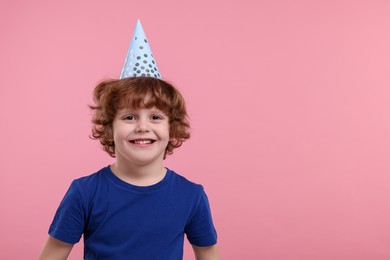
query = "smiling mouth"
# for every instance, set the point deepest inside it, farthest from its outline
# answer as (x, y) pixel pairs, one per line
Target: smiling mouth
(142, 141)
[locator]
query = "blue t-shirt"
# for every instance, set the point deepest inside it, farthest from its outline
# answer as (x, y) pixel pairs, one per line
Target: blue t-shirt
(124, 221)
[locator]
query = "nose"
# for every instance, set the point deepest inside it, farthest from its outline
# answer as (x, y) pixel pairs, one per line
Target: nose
(142, 125)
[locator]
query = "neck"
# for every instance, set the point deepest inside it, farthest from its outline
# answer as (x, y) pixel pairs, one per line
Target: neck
(140, 175)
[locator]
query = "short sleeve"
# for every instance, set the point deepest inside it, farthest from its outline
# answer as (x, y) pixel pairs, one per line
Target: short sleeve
(68, 223)
(200, 229)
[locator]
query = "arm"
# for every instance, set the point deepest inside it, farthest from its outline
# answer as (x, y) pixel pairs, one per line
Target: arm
(206, 252)
(55, 249)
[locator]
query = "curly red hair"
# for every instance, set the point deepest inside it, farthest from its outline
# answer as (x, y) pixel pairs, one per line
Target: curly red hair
(138, 92)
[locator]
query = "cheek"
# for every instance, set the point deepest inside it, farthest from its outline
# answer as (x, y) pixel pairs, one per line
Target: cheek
(119, 133)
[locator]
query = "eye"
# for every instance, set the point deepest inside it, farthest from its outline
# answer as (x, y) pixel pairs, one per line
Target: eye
(129, 117)
(156, 117)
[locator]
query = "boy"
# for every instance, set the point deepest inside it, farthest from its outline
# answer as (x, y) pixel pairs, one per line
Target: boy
(135, 208)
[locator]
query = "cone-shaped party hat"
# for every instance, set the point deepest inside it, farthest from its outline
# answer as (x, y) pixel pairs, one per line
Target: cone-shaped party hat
(139, 60)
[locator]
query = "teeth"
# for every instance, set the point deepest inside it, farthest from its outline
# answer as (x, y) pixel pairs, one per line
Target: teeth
(143, 141)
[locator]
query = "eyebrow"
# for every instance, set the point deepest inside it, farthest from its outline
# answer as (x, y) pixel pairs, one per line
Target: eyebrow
(135, 111)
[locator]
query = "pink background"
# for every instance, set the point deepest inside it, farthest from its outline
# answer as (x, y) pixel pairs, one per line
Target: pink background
(289, 103)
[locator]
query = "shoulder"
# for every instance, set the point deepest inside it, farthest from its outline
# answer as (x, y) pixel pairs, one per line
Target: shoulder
(185, 183)
(90, 179)
(187, 188)
(87, 185)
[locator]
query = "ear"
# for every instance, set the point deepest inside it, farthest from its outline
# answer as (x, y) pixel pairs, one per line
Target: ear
(173, 141)
(171, 138)
(110, 133)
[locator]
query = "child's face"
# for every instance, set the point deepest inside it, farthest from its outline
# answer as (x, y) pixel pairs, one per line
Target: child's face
(140, 136)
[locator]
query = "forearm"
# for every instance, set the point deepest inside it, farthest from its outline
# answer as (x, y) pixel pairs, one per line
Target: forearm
(206, 253)
(55, 250)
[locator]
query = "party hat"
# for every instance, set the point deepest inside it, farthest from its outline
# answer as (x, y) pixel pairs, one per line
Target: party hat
(139, 60)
